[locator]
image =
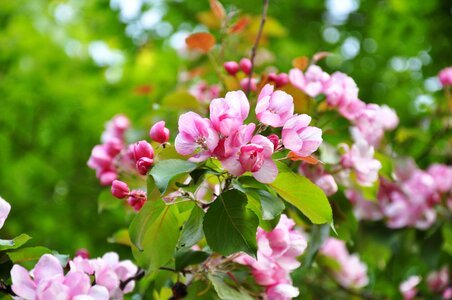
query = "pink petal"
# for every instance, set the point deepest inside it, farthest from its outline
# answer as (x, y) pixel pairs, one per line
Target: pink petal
(22, 285)
(184, 146)
(267, 173)
(48, 266)
(5, 208)
(232, 164)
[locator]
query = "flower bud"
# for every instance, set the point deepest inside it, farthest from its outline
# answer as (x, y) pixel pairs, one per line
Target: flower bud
(119, 189)
(272, 76)
(281, 80)
(82, 252)
(245, 65)
(244, 84)
(231, 67)
(137, 199)
(275, 140)
(159, 132)
(143, 149)
(143, 165)
(107, 177)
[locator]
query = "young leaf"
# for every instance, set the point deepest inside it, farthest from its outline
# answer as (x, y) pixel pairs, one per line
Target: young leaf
(187, 257)
(14, 243)
(27, 254)
(165, 170)
(203, 41)
(226, 292)
(155, 231)
(303, 194)
(229, 226)
(217, 9)
(192, 230)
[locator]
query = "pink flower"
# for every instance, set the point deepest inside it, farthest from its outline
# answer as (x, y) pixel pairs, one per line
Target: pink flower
(360, 157)
(115, 128)
(196, 136)
(143, 165)
(282, 291)
(437, 281)
(447, 294)
(362, 208)
(231, 67)
(327, 184)
(231, 145)
(119, 189)
(227, 114)
(442, 177)
(5, 208)
(408, 287)
(352, 273)
(340, 89)
(159, 132)
(276, 258)
(204, 92)
(142, 149)
(254, 157)
(274, 108)
(299, 137)
(245, 65)
(312, 82)
(445, 76)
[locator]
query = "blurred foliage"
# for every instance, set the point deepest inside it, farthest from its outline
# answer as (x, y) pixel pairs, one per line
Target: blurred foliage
(55, 98)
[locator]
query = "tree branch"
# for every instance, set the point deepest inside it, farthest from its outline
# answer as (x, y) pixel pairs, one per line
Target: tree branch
(256, 44)
(6, 289)
(139, 274)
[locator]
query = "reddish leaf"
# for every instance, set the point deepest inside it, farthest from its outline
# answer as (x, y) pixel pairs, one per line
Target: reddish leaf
(202, 41)
(240, 24)
(309, 159)
(320, 55)
(217, 9)
(300, 62)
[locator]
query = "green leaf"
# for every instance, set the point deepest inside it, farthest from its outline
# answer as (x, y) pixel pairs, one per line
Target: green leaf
(271, 205)
(187, 257)
(229, 226)
(447, 237)
(27, 254)
(226, 292)
(120, 237)
(166, 170)
(303, 194)
(107, 201)
(192, 230)
(387, 165)
(155, 231)
(14, 243)
(319, 234)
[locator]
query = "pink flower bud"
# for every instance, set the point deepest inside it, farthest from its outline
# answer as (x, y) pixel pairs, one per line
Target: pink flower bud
(272, 76)
(143, 165)
(137, 199)
(143, 149)
(159, 132)
(231, 67)
(244, 84)
(107, 177)
(119, 189)
(82, 252)
(281, 80)
(445, 76)
(447, 294)
(245, 65)
(274, 139)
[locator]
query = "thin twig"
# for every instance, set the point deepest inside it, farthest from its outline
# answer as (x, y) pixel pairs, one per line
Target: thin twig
(256, 44)
(6, 289)
(138, 275)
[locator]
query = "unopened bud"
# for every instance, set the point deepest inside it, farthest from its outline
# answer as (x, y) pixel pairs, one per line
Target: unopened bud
(119, 189)
(231, 67)
(159, 132)
(245, 65)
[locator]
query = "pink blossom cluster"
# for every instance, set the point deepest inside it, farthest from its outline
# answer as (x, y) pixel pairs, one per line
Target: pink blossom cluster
(370, 120)
(276, 258)
(445, 77)
(360, 158)
(5, 208)
(351, 272)
(410, 201)
(320, 177)
(239, 147)
(48, 281)
(103, 156)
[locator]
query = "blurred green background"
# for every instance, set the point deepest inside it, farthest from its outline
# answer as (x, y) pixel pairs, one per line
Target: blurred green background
(66, 67)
